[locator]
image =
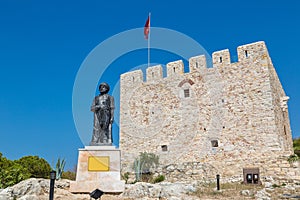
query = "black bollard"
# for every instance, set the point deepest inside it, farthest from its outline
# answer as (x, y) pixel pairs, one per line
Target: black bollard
(218, 182)
(96, 194)
(52, 181)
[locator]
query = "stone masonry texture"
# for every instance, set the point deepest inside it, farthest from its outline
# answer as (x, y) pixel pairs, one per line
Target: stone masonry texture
(208, 121)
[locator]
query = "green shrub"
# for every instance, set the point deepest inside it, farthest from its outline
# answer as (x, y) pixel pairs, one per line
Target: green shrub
(37, 167)
(296, 145)
(149, 160)
(69, 175)
(137, 166)
(125, 177)
(159, 179)
(59, 168)
(11, 172)
(143, 163)
(293, 158)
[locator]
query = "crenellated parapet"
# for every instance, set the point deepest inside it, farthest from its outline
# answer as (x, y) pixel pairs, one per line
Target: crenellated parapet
(197, 64)
(221, 58)
(132, 77)
(255, 51)
(154, 73)
(175, 68)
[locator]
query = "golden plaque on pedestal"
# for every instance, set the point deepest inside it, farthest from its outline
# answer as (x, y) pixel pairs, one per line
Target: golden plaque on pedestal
(98, 163)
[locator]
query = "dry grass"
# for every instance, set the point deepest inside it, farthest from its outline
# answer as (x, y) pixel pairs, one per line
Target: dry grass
(232, 191)
(280, 190)
(228, 191)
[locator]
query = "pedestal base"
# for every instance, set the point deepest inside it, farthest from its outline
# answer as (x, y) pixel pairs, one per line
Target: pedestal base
(98, 168)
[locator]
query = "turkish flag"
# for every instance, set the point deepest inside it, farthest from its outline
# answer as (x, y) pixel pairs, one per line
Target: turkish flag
(147, 28)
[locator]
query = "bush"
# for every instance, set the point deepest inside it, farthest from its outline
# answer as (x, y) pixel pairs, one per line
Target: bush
(293, 158)
(59, 168)
(296, 145)
(11, 172)
(14, 174)
(142, 165)
(69, 175)
(159, 179)
(37, 167)
(275, 186)
(149, 160)
(125, 177)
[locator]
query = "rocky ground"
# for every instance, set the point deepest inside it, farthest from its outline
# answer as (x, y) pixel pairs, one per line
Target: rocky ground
(38, 189)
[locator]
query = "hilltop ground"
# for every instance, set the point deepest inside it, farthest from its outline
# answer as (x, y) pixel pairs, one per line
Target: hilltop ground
(38, 189)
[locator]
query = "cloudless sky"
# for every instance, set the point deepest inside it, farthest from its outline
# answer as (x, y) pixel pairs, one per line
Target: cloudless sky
(43, 44)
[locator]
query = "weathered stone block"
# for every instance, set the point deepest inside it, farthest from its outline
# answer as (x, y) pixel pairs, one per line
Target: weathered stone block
(88, 180)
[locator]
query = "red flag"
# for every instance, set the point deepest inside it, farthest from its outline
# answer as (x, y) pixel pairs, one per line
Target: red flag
(147, 28)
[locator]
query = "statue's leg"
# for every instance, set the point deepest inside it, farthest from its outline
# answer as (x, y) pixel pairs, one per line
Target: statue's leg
(95, 137)
(96, 128)
(109, 135)
(106, 118)
(105, 136)
(101, 133)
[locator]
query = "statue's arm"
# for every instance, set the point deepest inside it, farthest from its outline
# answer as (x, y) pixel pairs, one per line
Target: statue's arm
(112, 109)
(94, 107)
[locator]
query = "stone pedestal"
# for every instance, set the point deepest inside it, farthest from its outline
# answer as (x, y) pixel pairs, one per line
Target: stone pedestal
(98, 168)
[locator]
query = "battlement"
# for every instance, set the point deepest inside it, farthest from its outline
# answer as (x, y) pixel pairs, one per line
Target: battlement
(197, 64)
(257, 50)
(175, 68)
(254, 51)
(132, 77)
(154, 73)
(221, 58)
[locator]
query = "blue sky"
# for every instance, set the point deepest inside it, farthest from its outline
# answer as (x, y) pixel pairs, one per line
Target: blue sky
(44, 43)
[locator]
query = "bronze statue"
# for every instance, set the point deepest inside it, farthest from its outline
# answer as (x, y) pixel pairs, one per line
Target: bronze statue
(103, 108)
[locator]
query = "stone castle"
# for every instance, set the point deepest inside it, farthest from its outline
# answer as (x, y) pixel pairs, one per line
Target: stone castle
(209, 121)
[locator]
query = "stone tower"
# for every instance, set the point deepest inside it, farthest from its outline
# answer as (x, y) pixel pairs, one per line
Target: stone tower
(208, 121)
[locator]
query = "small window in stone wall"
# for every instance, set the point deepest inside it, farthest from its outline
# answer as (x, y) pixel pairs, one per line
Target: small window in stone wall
(164, 147)
(186, 93)
(214, 143)
(284, 129)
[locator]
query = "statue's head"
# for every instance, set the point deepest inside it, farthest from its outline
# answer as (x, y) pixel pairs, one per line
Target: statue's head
(103, 88)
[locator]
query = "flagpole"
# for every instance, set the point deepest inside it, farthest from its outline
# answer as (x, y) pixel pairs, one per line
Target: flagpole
(149, 39)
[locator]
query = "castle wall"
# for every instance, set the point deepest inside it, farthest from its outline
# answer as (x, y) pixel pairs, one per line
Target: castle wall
(281, 111)
(224, 118)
